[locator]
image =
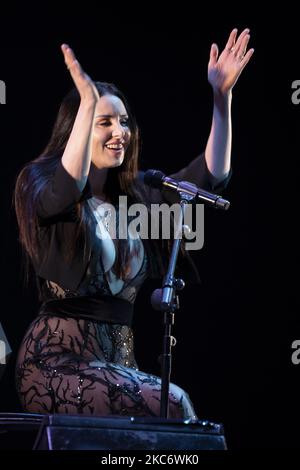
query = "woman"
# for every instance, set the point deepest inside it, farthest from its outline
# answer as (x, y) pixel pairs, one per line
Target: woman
(77, 355)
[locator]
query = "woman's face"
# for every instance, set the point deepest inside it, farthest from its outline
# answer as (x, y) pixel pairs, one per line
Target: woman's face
(111, 134)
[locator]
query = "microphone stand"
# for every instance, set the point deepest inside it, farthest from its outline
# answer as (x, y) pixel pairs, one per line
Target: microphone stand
(167, 301)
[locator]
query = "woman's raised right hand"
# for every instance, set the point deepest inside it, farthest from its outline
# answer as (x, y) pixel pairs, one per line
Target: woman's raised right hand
(84, 84)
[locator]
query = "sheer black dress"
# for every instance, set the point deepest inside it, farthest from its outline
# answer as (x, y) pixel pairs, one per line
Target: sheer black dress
(72, 362)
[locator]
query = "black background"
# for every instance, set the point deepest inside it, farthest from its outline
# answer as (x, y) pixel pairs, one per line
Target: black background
(235, 331)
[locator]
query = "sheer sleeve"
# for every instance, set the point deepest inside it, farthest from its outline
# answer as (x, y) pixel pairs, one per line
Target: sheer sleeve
(195, 172)
(60, 194)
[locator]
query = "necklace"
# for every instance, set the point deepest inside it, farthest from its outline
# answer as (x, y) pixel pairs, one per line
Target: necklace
(101, 208)
(106, 219)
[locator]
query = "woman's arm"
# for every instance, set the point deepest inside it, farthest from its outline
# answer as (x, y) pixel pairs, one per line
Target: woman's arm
(76, 158)
(211, 170)
(223, 73)
(218, 147)
(70, 178)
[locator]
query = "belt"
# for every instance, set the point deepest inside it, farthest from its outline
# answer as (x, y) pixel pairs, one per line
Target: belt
(106, 309)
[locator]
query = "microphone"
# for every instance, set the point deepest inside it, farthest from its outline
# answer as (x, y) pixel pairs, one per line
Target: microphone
(157, 179)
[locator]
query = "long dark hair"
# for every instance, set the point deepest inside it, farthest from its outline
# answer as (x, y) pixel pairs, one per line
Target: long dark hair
(36, 173)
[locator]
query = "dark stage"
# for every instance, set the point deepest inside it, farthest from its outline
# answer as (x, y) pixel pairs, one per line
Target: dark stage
(235, 331)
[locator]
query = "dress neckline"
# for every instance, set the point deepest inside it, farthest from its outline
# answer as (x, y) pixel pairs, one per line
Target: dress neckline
(97, 198)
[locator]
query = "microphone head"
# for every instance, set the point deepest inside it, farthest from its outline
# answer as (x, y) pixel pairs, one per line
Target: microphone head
(154, 178)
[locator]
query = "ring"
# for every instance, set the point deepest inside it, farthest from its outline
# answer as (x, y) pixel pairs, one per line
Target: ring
(243, 54)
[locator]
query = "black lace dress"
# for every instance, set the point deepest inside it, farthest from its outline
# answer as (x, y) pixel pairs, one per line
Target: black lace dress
(72, 362)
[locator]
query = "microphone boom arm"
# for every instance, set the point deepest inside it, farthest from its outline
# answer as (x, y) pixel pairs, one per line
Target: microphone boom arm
(192, 190)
